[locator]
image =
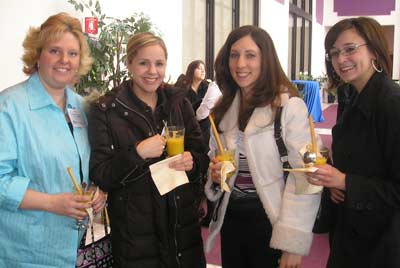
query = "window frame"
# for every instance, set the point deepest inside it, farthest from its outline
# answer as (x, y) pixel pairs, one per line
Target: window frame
(295, 12)
(210, 26)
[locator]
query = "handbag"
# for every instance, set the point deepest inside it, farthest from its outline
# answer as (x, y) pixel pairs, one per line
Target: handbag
(326, 214)
(97, 254)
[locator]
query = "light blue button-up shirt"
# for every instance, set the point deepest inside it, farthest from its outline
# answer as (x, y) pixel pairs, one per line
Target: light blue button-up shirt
(36, 146)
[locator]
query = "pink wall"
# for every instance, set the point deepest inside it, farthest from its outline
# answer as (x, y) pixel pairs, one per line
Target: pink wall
(319, 7)
(363, 7)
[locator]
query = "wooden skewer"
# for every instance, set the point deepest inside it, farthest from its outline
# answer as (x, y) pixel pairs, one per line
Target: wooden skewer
(312, 131)
(216, 134)
(77, 187)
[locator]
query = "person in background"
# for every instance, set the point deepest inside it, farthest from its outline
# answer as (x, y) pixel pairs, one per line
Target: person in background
(196, 87)
(210, 98)
(365, 176)
(181, 81)
(125, 132)
(43, 131)
(193, 81)
(263, 223)
(196, 83)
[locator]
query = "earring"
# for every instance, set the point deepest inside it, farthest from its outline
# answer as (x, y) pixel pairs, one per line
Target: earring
(375, 68)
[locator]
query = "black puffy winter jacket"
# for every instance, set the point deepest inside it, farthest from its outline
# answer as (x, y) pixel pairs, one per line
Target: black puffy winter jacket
(148, 230)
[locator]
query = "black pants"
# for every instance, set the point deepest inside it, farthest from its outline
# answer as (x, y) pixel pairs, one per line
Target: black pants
(245, 237)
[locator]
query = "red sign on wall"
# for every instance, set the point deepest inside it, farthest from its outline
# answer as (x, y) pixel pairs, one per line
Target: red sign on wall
(91, 25)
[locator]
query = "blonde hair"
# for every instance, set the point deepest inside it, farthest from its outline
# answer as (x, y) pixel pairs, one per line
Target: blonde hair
(140, 40)
(52, 30)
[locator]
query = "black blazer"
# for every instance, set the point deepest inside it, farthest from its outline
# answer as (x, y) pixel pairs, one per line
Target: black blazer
(366, 147)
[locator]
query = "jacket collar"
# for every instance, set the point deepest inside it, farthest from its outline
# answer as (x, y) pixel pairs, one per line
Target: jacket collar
(38, 96)
(366, 99)
(126, 95)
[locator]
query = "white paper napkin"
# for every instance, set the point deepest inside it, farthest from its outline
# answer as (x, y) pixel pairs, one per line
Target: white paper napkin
(165, 178)
(89, 210)
(303, 186)
(98, 232)
(226, 167)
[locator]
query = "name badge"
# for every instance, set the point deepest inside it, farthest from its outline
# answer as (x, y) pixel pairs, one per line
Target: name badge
(76, 118)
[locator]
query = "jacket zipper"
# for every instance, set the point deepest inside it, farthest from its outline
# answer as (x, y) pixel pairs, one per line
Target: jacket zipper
(136, 112)
(175, 227)
(176, 215)
(148, 124)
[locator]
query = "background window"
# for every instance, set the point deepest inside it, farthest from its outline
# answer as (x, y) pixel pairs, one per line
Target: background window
(207, 24)
(194, 32)
(300, 29)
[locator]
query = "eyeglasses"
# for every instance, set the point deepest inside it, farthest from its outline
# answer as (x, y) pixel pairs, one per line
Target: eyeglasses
(345, 51)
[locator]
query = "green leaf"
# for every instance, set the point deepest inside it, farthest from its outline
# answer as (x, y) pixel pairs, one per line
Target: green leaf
(97, 7)
(109, 68)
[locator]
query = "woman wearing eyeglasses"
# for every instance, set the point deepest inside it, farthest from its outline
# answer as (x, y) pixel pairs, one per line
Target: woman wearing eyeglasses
(365, 178)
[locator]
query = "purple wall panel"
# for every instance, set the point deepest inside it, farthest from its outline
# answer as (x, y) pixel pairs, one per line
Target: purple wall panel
(319, 7)
(363, 7)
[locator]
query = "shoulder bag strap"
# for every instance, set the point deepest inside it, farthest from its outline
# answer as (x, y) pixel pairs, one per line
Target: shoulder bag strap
(279, 141)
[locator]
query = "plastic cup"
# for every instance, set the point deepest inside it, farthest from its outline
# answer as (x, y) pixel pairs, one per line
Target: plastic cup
(175, 137)
(226, 155)
(320, 161)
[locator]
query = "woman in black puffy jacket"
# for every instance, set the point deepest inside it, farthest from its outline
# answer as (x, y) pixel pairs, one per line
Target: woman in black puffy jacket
(125, 126)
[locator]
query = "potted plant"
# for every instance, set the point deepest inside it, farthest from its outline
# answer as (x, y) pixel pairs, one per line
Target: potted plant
(108, 48)
(306, 76)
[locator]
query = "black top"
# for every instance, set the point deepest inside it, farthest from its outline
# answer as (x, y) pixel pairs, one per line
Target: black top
(366, 146)
(196, 99)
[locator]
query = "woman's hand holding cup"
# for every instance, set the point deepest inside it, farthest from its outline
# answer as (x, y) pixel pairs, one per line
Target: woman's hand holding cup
(151, 147)
(184, 163)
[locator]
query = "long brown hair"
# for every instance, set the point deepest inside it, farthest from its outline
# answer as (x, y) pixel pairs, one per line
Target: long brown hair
(190, 70)
(269, 85)
(371, 31)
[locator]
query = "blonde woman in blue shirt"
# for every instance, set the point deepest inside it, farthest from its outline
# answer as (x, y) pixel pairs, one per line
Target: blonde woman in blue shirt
(43, 130)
